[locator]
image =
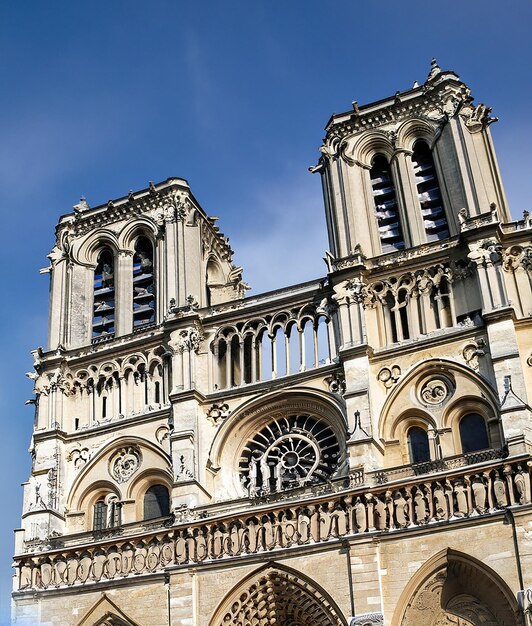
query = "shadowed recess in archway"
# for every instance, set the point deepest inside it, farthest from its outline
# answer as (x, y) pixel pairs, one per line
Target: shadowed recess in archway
(278, 598)
(462, 592)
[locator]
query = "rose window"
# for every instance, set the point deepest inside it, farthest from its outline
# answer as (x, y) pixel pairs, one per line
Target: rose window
(289, 452)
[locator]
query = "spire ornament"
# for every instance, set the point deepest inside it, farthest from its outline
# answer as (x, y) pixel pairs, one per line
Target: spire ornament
(435, 69)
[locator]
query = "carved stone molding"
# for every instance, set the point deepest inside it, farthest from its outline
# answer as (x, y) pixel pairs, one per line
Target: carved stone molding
(124, 463)
(188, 339)
(218, 413)
(516, 257)
(277, 597)
(473, 351)
(162, 434)
(388, 376)
(336, 383)
(79, 456)
(185, 466)
(189, 308)
(488, 252)
(435, 390)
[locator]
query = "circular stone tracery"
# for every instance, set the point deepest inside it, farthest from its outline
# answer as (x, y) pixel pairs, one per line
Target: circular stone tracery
(289, 452)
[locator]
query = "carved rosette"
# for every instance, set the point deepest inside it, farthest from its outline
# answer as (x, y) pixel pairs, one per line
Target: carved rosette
(125, 463)
(435, 390)
(218, 413)
(388, 376)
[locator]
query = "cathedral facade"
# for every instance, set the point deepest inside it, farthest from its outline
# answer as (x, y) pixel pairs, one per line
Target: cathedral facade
(354, 450)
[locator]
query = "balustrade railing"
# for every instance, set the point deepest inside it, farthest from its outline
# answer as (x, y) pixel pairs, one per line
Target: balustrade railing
(384, 476)
(354, 512)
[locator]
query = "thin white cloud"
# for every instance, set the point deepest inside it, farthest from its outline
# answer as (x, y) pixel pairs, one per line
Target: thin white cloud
(288, 245)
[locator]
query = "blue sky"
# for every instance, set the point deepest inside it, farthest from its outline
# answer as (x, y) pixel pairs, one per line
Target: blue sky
(102, 97)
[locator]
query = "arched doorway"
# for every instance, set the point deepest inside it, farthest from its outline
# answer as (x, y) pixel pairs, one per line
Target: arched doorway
(454, 589)
(277, 596)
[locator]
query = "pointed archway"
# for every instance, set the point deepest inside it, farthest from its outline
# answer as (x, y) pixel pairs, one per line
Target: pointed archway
(104, 612)
(454, 589)
(276, 595)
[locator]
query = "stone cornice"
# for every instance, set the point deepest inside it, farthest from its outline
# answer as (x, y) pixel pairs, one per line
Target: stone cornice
(417, 102)
(174, 193)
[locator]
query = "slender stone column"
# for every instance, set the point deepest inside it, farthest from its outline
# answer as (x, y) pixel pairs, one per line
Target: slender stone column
(124, 293)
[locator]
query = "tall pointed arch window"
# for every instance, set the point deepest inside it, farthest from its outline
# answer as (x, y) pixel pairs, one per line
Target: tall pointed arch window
(429, 193)
(418, 445)
(143, 283)
(386, 208)
(103, 316)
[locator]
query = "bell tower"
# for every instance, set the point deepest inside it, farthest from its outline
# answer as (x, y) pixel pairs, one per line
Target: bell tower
(120, 267)
(405, 171)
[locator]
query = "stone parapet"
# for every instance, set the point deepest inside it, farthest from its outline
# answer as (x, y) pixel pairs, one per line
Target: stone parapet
(354, 513)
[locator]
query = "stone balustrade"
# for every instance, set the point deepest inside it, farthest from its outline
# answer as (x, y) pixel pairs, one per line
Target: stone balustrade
(357, 511)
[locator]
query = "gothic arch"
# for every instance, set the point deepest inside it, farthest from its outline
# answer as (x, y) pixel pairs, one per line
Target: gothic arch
(150, 477)
(412, 130)
(275, 594)
(151, 456)
(454, 585)
(132, 230)
(214, 272)
(104, 612)
(466, 383)
(252, 416)
(363, 149)
(87, 251)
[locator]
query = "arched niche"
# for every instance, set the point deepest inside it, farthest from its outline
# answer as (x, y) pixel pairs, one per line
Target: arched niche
(437, 391)
(97, 476)
(144, 481)
(132, 230)
(249, 419)
(453, 586)
(215, 280)
(278, 595)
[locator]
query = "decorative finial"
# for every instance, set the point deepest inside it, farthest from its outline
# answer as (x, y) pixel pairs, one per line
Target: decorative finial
(435, 69)
(82, 205)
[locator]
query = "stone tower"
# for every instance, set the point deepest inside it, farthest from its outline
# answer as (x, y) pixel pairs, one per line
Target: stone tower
(352, 450)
